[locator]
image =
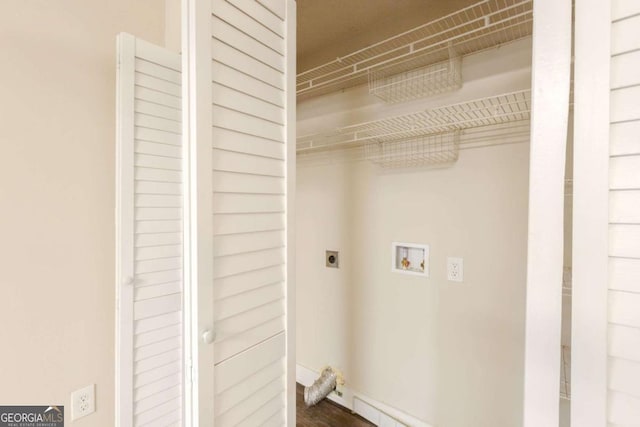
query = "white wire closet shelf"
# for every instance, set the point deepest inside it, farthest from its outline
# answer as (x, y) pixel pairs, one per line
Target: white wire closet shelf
(493, 110)
(485, 24)
(407, 155)
(432, 136)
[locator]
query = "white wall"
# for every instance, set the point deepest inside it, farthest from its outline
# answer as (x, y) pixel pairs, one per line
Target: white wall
(57, 146)
(449, 354)
(173, 25)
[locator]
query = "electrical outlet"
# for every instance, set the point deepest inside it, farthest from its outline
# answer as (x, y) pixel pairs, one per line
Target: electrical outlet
(455, 270)
(83, 402)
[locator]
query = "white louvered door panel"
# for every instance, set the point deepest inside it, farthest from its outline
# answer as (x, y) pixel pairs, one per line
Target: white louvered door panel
(150, 230)
(251, 49)
(624, 217)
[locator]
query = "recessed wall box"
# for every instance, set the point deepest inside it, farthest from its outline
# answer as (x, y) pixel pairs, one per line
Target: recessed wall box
(332, 260)
(410, 258)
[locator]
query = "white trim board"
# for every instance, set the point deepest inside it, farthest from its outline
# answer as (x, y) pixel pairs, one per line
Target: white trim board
(589, 369)
(197, 133)
(124, 199)
(551, 66)
(378, 413)
(290, 144)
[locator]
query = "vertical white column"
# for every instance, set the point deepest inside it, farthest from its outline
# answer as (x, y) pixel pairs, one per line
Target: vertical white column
(590, 213)
(550, 108)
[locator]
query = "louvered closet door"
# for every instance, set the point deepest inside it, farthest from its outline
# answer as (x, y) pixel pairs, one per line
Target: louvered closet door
(150, 252)
(251, 118)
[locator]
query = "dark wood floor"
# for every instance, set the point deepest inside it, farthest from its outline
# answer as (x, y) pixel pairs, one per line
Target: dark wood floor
(325, 414)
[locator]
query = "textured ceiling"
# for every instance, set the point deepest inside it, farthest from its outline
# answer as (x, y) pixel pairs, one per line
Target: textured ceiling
(331, 28)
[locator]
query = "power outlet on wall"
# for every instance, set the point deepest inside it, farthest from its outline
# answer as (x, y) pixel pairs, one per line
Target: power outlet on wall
(83, 402)
(455, 270)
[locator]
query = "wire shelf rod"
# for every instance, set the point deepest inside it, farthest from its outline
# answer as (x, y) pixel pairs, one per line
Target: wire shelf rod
(476, 136)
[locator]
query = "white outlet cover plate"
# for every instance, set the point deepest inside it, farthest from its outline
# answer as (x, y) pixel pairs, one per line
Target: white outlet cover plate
(83, 402)
(455, 269)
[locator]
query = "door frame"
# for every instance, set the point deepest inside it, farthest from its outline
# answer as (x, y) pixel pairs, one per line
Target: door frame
(290, 226)
(198, 212)
(590, 213)
(124, 212)
(551, 65)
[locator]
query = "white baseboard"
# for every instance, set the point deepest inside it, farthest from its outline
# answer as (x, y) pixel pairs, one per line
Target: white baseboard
(378, 413)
